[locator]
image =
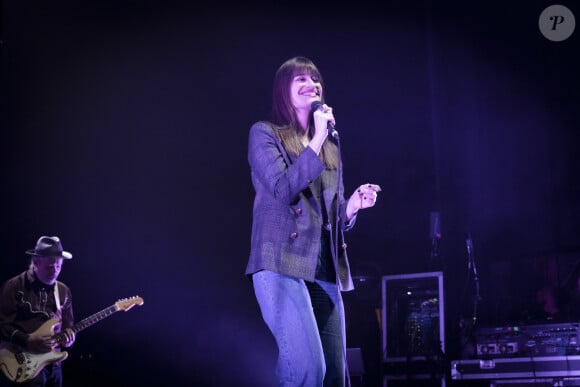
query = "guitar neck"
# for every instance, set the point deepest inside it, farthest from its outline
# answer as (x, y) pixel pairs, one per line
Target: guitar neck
(87, 322)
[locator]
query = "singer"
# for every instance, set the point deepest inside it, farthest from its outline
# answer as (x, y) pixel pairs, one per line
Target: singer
(298, 261)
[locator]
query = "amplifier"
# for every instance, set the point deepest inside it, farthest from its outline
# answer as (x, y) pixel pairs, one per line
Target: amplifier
(559, 339)
(517, 367)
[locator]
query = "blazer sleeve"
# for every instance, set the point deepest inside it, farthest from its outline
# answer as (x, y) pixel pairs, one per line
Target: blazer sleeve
(271, 166)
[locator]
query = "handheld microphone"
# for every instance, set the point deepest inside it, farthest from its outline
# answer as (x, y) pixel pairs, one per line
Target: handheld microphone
(316, 105)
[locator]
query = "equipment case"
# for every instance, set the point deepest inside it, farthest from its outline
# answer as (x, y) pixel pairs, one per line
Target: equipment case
(520, 367)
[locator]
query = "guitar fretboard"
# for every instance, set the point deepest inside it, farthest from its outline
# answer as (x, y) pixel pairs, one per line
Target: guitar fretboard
(87, 322)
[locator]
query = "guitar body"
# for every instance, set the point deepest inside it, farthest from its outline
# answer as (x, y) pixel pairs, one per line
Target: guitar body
(20, 366)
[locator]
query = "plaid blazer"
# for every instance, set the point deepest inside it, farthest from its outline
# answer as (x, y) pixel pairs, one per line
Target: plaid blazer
(287, 221)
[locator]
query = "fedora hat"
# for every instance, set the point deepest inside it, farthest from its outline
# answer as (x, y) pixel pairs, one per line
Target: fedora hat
(49, 247)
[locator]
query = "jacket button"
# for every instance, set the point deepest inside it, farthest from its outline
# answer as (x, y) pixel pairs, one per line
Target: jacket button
(294, 235)
(298, 211)
(344, 245)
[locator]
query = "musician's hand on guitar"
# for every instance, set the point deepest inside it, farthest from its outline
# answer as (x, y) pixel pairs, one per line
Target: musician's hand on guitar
(39, 343)
(69, 337)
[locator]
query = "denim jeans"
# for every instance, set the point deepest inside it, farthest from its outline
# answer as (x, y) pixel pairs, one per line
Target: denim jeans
(307, 321)
(50, 376)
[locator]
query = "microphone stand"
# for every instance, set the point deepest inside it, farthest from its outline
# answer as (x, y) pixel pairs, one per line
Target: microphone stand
(471, 266)
(467, 326)
(477, 297)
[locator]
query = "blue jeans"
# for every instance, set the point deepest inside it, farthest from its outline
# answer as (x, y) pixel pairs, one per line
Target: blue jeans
(50, 376)
(307, 321)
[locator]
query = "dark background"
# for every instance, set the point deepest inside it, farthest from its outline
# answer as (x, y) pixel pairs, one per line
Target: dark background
(124, 132)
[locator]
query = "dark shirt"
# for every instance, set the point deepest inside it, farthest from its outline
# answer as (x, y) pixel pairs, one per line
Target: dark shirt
(324, 266)
(26, 303)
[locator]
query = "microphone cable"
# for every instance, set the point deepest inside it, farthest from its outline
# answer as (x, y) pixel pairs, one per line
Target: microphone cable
(334, 239)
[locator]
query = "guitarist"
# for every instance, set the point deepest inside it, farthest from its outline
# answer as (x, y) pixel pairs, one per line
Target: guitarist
(30, 299)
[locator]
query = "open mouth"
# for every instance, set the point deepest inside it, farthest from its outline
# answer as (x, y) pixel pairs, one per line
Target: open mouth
(312, 93)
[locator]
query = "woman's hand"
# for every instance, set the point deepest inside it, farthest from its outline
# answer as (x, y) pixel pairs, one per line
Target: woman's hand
(322, 117)
(364, 197)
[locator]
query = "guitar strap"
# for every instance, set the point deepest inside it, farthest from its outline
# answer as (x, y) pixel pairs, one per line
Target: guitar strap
(57, 298)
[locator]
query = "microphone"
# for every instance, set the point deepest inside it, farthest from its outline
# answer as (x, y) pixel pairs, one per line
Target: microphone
(316, 105)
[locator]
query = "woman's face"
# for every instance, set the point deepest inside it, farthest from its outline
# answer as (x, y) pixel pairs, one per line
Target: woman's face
(305, 89)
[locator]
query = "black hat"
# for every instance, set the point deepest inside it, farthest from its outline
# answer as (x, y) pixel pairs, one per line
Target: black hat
(49, 247)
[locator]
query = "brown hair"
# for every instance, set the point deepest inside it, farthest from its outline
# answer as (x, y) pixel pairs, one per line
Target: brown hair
(284, 117)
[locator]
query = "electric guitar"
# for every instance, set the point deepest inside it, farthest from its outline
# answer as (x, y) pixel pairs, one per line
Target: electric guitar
(20, 366)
